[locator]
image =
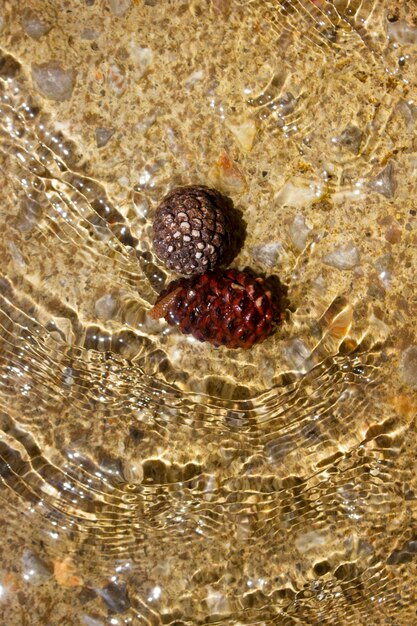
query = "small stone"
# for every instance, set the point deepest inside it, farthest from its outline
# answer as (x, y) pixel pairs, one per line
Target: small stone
(385, 183)
(286, 104)
(1, 22)
(88, 620)
(9, 67)
(115, 596)
(217, 602)
(383, 266)
(142, 57)
(310, 540)
(34, 569)
(346, 257)
(299, 231)
(297, 193)
(33, 25)
(408, 366)
(105, 307)
(226, 176)
(53, 81)
(244, 130)
(296, 354)
(351, 138)
(393, 232)
(17, 255)
(194, 78)
(119, 7)
(402, 32)
(269, 254)
(116, 79)
(408, 112)
(66, 574)
(103, 136)
(89, 34)
(144, 125)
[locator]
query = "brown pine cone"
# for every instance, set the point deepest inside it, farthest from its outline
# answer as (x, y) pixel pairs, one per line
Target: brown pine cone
(224, 307)
(191, 229)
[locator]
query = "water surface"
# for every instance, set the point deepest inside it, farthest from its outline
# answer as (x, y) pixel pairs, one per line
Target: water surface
(148, 479)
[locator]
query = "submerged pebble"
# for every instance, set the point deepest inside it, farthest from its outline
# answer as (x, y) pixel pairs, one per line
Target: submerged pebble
(105, 306)
(345, 257)
(119, 7)
(385, 183)
(116, 79)
(142, 57)
(299, 231)
(296, 353)
(298, 193)
(244, 131)
(92, 621)
(217, 602)
(53, 80)
(408, 366)
(269, 254)
(34, 569)
(103, 136)
(89, 34)
(351, 138)
(402, 32)
(115, 596)
(33, 25)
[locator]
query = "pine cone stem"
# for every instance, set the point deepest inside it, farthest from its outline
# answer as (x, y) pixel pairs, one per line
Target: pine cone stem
(162, 306)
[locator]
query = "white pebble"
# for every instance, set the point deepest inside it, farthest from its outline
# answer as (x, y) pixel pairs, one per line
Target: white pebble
(402, 32)
(299, 193)
(105, 307)
(299, 231)
(216, 601)
(345, 257)
(193, 78)
(119, 7)
(269, 254)
(296, 354)
(142, 58)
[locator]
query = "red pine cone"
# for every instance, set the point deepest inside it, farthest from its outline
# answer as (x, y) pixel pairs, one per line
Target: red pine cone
(224, 307)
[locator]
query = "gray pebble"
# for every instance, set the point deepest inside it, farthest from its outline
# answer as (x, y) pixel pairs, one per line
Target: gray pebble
(53, 81)
(103, 136)
(408, 366)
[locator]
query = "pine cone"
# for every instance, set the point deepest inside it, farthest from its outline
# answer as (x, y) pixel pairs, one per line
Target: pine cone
(191, 229)
(224, 307)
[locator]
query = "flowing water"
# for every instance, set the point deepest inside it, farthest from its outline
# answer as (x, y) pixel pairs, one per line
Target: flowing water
(149, 479)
